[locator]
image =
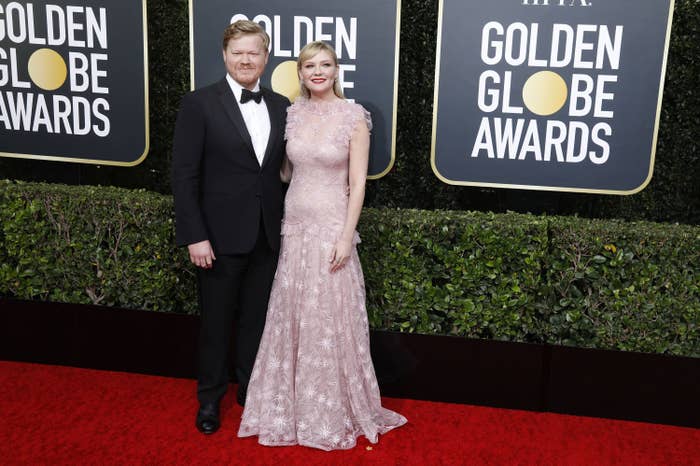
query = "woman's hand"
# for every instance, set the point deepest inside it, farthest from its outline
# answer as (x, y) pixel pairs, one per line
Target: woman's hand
(340, 254)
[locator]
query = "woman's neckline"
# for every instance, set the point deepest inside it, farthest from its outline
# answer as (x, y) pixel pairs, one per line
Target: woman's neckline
(321, 107)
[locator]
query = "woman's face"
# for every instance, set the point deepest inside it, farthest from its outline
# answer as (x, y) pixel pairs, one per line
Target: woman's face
(319, 74)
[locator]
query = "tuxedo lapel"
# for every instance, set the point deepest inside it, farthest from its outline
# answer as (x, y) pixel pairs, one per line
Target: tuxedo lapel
(275, 125)
(228, 100)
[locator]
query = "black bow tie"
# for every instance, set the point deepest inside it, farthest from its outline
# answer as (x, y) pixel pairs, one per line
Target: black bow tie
(247, 95)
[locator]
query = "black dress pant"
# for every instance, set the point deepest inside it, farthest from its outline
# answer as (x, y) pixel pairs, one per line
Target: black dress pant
(232, 294)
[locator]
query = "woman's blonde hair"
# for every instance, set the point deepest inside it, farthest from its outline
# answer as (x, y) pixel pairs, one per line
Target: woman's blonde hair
(309, 51)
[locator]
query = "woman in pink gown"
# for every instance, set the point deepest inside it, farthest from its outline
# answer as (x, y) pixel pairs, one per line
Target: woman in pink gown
(314, 383)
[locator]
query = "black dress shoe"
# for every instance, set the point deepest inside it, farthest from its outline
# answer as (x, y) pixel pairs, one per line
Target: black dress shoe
(208, 418)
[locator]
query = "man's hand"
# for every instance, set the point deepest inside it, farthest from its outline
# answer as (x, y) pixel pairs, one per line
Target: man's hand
(201, 254)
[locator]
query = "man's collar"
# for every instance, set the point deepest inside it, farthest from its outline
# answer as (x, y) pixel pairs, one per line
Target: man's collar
(237, 88)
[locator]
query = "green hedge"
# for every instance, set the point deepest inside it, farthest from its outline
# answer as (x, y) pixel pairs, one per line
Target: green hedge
(469, 274)
(108, 246)
(629, 286)
(514, 277)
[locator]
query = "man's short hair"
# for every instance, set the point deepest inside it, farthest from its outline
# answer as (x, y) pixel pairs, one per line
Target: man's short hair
(243, 27)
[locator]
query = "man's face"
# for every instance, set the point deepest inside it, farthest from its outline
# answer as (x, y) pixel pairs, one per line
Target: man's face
(245, 59)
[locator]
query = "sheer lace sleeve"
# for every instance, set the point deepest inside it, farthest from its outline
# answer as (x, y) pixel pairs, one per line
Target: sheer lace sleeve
(354, 114)
(293, 118)
(361, 113)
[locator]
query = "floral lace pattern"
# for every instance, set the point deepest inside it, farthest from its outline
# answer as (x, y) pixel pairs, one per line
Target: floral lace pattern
(314, 383)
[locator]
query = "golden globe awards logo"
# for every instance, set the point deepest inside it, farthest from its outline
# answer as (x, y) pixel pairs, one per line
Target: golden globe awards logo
(363, 33)
(591, 56)
(68, 90)
(549, 94)
(82, 107)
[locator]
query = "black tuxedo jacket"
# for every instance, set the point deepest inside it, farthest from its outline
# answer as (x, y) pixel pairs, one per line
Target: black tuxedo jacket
(220, 190)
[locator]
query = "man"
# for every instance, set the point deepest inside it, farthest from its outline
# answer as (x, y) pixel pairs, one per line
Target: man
(227, 151)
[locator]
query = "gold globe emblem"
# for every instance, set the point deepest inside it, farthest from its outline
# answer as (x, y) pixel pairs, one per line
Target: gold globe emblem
(47, 69)
(285, 79)
(545, 93)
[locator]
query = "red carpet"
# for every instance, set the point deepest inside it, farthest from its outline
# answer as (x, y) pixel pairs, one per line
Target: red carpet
(61, 415)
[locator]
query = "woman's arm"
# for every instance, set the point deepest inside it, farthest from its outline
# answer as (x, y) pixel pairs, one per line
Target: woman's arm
(357, 177)
(286, 170)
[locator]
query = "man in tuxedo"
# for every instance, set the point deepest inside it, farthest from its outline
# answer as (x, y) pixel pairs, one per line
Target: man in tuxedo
(227, 151)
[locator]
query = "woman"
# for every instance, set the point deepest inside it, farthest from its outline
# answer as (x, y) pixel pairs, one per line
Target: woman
(314, 383)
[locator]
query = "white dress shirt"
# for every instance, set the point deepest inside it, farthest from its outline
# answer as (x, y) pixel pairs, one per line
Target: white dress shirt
(256, 117)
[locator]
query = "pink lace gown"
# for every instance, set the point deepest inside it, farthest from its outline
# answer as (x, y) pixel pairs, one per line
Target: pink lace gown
(313, 383)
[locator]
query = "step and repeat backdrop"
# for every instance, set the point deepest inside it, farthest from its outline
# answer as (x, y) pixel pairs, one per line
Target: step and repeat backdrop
(74, 81)
(549, 94)
(557, 95)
